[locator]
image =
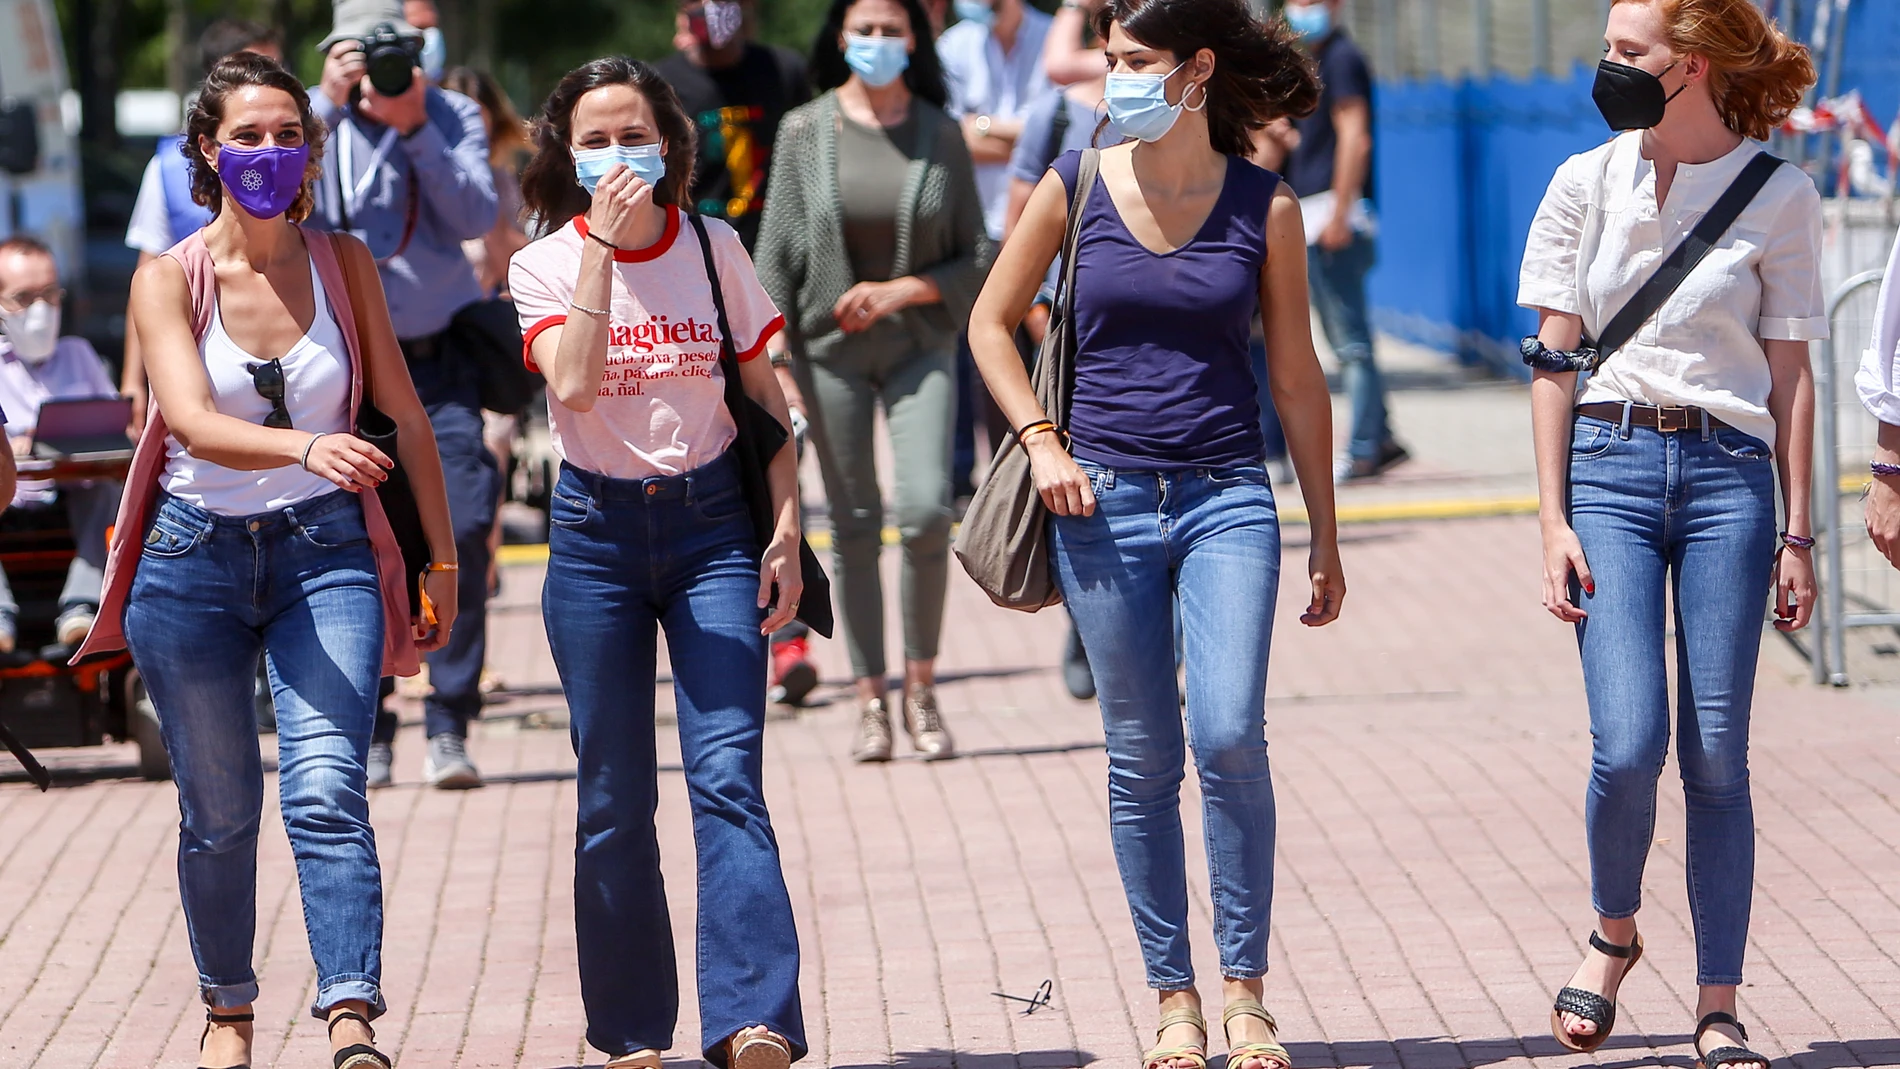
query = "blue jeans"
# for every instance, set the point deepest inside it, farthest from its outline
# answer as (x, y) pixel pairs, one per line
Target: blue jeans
(1212, 540)
(1338, 283)
(298, 585)
(1694, 516)
(626, 557)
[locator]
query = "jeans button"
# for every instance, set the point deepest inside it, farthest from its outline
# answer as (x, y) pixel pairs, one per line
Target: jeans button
(255, 525)
(651, 490)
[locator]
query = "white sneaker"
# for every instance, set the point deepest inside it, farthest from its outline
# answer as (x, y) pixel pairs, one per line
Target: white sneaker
(446, 766)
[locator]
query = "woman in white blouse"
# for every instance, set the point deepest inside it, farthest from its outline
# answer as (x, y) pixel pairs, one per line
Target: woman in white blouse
(1656, 474)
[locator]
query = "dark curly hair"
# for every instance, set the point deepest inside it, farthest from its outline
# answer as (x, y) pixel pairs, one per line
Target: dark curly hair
(1260, 71)
(548, 186)
(924, 76)
(243, 70)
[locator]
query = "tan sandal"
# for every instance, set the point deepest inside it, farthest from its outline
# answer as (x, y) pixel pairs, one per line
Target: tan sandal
(758, 1050)
(639, 1059)
(1194, 1054)
(1267, 1051)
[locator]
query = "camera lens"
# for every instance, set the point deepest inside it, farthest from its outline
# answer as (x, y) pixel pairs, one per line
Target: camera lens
(390, 59)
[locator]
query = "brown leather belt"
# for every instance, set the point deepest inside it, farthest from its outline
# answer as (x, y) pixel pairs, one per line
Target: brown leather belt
(1666, 420)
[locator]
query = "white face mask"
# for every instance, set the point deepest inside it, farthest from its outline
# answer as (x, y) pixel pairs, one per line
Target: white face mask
(33, 331)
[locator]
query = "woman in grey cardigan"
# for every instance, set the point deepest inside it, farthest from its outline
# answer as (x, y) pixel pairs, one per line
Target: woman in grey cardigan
(873, 246)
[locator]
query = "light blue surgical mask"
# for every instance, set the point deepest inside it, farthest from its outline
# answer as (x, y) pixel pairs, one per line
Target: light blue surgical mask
(977, 11)
(1310, 21)
(1138, 104)
(435, 54)
(647, 162)
(877, 60)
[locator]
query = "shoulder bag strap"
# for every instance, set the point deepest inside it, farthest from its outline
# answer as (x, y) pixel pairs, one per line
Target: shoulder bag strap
(1055, 377)
(1728, 207)
(728, 356)
(353, 294)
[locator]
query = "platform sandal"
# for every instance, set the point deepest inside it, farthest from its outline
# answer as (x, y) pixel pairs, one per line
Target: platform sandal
(1267, 1051)
(214, 1017)
(1194, 1054)
(758, 1050)
(1589, 1005)
(357, 1055)
(1721, 1057)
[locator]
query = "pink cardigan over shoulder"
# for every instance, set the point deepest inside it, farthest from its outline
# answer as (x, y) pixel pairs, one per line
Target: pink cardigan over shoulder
(148, 464)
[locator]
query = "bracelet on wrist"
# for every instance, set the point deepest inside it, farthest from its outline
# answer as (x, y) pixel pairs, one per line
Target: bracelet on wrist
(594, 236)
(1797, 541)
(304, 463)
(438, 566)
(579, 307)
(1884, 469)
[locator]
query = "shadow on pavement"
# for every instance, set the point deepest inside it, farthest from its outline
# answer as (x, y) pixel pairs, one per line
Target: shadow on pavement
(946, 1059)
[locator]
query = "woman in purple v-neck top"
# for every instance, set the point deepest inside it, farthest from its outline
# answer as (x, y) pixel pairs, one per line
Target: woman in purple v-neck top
(1156, 486)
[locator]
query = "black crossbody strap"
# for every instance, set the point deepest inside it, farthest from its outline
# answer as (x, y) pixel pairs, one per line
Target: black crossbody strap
(728, 356)
(1676, 267)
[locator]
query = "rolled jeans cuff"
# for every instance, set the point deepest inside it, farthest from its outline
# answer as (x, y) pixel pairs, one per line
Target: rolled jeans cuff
(227, 996)
(347, 987)
(1617, 914)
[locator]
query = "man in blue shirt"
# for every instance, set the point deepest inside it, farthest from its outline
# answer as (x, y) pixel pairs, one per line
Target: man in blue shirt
(409, 175)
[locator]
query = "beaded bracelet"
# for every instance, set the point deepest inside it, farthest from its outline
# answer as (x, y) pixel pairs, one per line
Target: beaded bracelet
(1797, 541)
(1884, 469)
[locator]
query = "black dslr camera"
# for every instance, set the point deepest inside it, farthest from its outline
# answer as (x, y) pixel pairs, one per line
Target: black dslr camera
(391, 58)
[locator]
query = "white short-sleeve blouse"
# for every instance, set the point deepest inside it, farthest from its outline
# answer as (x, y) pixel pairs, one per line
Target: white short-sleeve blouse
(1599, 234)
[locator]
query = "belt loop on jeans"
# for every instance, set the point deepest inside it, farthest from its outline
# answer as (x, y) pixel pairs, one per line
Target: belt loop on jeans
(1705, 423)
(1627, 406)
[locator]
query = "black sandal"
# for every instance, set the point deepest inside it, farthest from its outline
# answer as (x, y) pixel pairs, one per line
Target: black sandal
(214, 1017)
(1589, 1005)
(360, 1055)
(1724, 1056)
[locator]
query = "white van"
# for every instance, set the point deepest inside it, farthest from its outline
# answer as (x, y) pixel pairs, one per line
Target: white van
(39, 149)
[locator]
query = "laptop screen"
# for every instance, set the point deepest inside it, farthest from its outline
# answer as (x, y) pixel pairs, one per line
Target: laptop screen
(92, 423)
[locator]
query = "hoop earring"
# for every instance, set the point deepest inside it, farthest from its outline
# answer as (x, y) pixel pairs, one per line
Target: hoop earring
(1191, 87)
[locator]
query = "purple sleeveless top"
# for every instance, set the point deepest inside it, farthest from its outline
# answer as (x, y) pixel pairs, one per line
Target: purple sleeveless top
(1162, 376)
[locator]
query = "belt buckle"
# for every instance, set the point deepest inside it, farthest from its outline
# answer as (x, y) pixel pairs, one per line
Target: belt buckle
(1671, 420)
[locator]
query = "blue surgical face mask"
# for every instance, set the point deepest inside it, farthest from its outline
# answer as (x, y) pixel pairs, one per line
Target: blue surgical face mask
(977, 11)
(1138, 104)
(435, 54)
(877, 60)
(647, 162)
(1310, 21)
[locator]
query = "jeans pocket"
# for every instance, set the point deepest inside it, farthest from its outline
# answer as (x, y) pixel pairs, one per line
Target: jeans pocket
(569, 510)
(1591, 438)
(340, 528)
(1739, 446)
(1245, 475)
(172, 536)
(1101, 480)
(720, 506)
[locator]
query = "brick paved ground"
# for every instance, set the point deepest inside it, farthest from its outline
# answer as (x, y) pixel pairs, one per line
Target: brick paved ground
(1429, 755)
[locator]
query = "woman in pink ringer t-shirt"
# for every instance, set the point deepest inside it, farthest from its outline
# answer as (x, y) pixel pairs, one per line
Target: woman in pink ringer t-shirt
(650, 529)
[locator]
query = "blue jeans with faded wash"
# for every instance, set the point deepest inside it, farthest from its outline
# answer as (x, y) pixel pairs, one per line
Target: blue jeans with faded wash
(627, 557)
(1338, 282)
(1209, 539)
(298, 585)
(1688, 518)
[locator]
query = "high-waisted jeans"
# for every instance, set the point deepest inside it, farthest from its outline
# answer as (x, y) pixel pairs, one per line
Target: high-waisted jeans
(299, 585)
(1693, 516)
(1211, 540)
(625, 558)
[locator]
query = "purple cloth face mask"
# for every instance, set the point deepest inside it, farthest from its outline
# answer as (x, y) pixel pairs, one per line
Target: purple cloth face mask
(265, 180)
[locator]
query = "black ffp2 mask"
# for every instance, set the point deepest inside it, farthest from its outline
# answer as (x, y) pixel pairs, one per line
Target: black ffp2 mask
(1630, 97)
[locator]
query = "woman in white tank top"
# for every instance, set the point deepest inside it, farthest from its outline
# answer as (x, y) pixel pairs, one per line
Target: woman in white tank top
(259, 542)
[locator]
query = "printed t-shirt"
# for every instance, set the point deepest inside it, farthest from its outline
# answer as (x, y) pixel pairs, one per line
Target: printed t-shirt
(737, 111)
(661, 408)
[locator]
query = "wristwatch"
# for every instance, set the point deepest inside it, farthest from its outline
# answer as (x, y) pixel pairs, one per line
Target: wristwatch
(983, 124)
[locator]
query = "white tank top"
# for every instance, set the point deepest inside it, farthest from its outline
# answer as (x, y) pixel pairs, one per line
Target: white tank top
(316, 391)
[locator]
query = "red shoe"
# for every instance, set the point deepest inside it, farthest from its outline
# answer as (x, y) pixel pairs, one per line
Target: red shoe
(793, 677)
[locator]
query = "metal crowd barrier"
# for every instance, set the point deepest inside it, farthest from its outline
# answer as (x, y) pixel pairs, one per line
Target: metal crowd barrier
(1858, 586)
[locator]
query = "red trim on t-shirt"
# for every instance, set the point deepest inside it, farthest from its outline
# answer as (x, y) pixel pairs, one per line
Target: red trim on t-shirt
(528, 336)
(777, 324)
(651, 252)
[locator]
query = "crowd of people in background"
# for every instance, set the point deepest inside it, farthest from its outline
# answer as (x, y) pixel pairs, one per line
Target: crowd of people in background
(720, 260)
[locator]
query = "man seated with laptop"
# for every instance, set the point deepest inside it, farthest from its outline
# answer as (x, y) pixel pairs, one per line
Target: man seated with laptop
(59, 403)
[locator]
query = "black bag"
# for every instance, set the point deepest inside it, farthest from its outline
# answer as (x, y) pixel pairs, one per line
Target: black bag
(760, 438)
(489, 333)
(375, 427)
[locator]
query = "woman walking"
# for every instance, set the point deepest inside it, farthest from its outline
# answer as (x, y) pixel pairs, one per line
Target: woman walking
(650, 530)
(1657, 472)
(245, 529)
(1156, 483)
(873, 245)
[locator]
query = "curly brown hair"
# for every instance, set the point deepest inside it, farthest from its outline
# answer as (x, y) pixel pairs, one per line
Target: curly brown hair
(241, 71)
(1260, 71)
(1756, 74)
(548, 186)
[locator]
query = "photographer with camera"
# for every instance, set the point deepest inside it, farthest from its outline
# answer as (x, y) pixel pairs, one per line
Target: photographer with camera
(409, 175)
